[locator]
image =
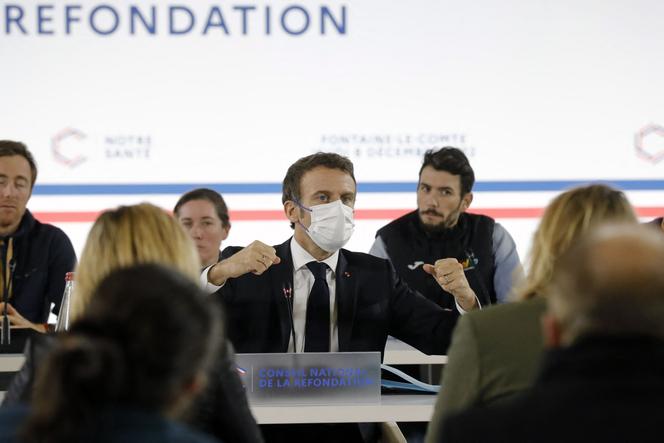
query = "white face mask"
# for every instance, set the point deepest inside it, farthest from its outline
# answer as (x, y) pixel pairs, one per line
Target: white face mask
(331, 225)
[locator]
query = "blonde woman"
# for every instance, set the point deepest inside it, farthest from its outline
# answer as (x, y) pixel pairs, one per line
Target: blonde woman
(141, 234)
(495, 352)
(127, 236)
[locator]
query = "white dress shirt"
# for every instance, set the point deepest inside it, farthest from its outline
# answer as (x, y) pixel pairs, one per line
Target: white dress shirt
(303, 281)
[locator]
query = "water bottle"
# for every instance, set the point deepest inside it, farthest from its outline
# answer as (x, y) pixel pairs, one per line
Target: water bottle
(63, 317)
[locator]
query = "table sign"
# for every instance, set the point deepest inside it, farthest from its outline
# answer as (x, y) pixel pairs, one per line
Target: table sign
(311, 378)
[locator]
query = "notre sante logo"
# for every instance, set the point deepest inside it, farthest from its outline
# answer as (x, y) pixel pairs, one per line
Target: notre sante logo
(649, 143)
(72, 147)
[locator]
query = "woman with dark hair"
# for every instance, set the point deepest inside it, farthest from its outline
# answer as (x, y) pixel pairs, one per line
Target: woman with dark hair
(126, 367)
(204, 215)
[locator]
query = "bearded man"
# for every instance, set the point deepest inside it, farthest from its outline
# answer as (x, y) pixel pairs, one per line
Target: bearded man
(470, 254)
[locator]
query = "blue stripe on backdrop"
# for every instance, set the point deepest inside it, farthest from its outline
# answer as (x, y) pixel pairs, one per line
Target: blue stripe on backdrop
(275, 188)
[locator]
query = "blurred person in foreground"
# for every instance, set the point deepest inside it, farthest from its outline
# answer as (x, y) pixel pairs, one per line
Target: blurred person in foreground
(657, 223)
(603, 376)
(204, 215)
(126, 368)
(495, 353)
(137, 234)
(37, 255)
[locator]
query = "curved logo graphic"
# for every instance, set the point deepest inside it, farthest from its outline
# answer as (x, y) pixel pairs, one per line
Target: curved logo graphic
(649, 143)
(67, 147)
(415, 265)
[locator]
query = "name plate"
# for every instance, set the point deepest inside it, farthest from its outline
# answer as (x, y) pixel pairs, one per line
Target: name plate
(311, 378)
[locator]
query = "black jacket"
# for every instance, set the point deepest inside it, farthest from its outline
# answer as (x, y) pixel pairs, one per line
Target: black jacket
(43, 255)
(604, 389)
(372, 302)
(470, 241)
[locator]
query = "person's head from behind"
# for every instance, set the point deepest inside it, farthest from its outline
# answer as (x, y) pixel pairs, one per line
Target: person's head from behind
(127, 236)
(611, 283)
(566, 219)
(18, 173)
(204, 215)
(144, 343)
(444, 190)
(320, 189)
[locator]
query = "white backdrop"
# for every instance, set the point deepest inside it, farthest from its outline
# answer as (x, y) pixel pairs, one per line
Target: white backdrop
(540, 95)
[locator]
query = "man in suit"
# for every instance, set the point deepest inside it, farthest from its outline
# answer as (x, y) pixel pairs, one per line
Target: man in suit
(603, 378)
(308, 294)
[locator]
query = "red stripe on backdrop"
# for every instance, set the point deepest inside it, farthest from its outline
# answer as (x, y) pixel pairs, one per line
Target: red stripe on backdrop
(360, 214)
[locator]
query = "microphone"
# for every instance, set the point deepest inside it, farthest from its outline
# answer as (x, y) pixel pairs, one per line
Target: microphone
(288, 295)
(5, 338)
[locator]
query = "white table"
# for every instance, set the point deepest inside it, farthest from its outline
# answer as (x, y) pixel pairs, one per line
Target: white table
(11, 362)
(395, 407)
(400, 353)
(396, 353)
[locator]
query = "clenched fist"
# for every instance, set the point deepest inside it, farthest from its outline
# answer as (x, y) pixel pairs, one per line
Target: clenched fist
(449, 274)
(255, 258)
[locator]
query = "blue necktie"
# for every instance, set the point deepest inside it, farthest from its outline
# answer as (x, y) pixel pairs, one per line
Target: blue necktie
(317, 328)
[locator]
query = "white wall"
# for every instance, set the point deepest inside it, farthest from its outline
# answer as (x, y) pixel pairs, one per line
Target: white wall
(533, 91)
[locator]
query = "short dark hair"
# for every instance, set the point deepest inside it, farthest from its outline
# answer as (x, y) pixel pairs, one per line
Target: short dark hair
(291, 184)
(209, 195)
(454, 161)
(10, 148)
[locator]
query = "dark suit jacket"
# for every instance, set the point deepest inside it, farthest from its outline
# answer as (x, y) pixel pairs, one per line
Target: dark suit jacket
(372, 302)
(603, 389)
